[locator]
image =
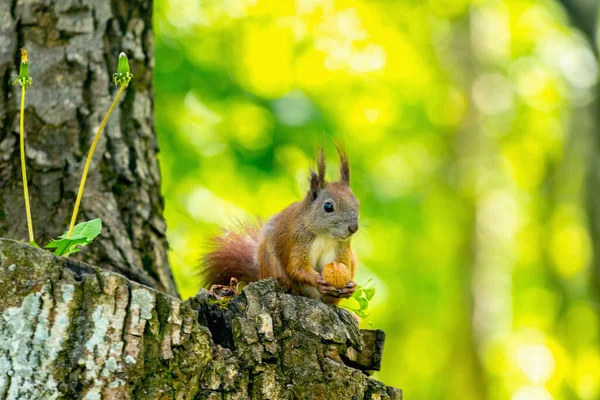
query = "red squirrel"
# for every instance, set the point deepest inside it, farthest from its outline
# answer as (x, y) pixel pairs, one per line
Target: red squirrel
(295, 244)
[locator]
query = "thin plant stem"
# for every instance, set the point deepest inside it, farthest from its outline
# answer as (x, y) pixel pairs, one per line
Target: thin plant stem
(89, 159)
(23, 169)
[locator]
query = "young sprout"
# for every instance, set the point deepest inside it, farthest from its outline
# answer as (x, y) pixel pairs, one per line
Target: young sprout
(362, 296)
(121, 78)
(24, 80)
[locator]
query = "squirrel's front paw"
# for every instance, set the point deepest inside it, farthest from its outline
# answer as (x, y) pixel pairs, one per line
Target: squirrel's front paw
(348, 291)
(327, 289)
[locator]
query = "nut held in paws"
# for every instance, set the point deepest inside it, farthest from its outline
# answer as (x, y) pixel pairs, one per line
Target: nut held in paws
(337, 274)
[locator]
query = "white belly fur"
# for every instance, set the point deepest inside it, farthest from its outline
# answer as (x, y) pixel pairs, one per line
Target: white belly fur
(322, 252)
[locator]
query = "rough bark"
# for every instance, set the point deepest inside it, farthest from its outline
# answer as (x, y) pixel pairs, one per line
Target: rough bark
(73, 49)
(68, 330)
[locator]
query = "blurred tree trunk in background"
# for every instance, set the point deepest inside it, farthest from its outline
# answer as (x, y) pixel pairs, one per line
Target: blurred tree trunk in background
(73, 50)
(469, 380)
(585, 16)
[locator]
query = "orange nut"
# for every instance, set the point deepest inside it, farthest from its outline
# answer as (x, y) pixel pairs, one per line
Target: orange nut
(337, 274)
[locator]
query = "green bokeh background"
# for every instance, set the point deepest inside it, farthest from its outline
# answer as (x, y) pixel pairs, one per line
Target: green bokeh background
(468, 128)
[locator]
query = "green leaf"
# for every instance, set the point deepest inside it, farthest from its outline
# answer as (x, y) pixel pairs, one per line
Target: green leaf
(356, 311)
(66, 247)
(362, 302)
(88, 229)
(361, 313)
(362, 295)
(83, 234)
(366, 283)
(369, 293)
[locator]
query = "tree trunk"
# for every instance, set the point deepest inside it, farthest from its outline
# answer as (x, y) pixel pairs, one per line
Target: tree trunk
(585, 16)
(73, 331)
(73, 50)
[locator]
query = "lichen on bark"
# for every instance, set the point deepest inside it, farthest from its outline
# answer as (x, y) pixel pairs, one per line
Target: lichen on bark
(68, 330)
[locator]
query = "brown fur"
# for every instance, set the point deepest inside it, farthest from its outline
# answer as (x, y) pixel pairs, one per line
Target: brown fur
(232, 255)
(282, 248)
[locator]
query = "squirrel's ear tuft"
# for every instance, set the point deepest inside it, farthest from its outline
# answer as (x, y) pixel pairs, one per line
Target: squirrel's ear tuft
(344, 166)
(315, 184)
(321, 166)
(317, 179)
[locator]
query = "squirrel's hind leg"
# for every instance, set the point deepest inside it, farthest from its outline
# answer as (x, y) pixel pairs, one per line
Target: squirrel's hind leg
(269, 265)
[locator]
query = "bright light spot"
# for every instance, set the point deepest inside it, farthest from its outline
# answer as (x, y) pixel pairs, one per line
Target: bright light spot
(347, 23)
(372, 114)
(368, 110)
(198, 110)
(570, 246)
(205, 206)
(310, 6)
(530, 76)
(198, 124)
(498, 215)
(183, 14)
(579, 66)
(537, 83)
(536, 361)
(237, 8)
(532, 393)
(342, 37)
(587, 387)
(266, 52)
(371, 58)
(249, 124)
(296, 25)
(393, 176)
(492, 285)
(490, 33)
(587, 373)
(535, 22)
(492, 94)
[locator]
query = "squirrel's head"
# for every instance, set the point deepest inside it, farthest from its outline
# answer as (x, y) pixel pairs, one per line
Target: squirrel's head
(333, 210)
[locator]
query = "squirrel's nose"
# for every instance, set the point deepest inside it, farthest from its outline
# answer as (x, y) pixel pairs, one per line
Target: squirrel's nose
(353, 228)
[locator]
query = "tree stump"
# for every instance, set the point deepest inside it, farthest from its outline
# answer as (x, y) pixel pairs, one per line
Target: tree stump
(69, 330)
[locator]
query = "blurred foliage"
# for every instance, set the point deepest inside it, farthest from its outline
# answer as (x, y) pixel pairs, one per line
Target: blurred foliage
(466, 123)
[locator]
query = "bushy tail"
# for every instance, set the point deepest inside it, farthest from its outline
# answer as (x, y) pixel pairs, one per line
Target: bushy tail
(231, 255)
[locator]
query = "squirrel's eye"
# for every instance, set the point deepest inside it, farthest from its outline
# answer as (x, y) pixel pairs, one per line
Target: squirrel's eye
(328, 207)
